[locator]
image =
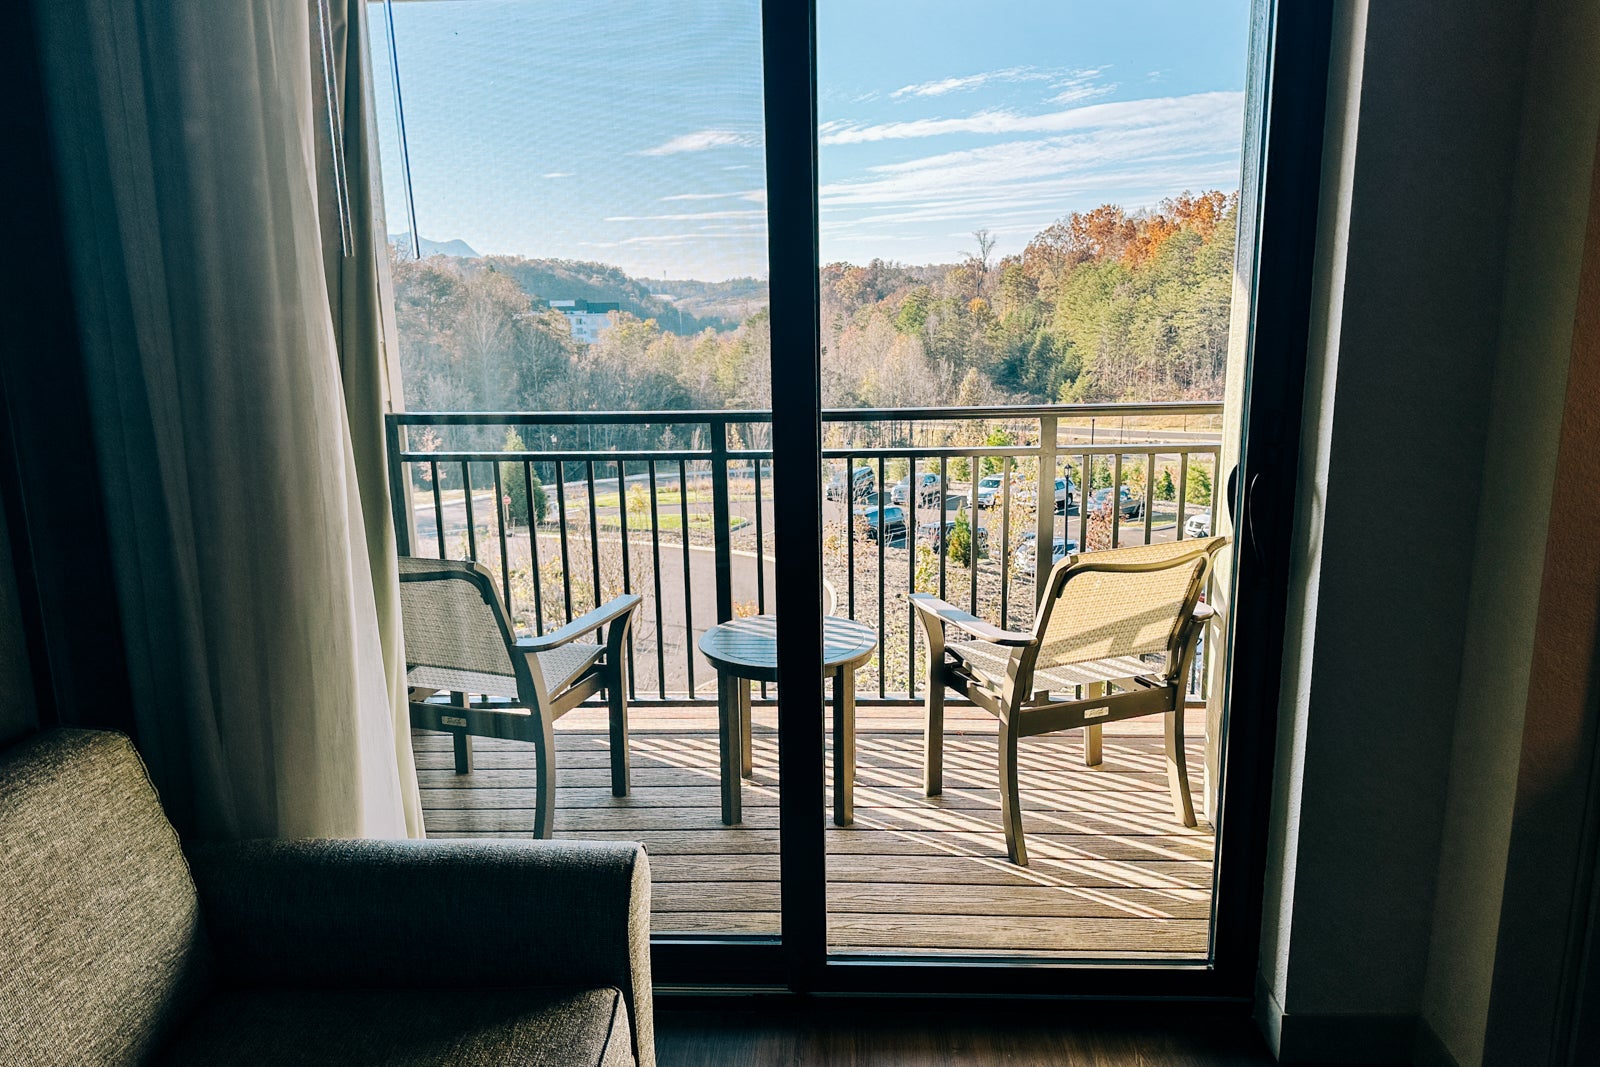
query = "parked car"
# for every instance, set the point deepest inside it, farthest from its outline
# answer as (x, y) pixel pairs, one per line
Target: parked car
(891, 519)
(1023, 560)
(1025, 493)
(861, 485)
(989, 489)
(1130, 505)
(928, 490)
(1198, 525)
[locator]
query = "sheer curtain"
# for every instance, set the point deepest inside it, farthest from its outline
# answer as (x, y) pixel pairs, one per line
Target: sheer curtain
(236, 364)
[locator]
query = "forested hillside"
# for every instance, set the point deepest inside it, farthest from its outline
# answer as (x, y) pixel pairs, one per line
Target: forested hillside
(1100, 306)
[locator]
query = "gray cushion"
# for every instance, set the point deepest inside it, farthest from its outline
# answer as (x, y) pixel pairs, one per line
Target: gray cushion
(587, 1028)
(100, 938)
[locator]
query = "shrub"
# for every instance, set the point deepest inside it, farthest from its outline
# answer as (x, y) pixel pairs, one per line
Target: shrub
(1199, 487)
(514, 487)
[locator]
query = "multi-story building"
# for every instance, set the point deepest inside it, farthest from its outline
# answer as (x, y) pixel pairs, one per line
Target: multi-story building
(588, 318)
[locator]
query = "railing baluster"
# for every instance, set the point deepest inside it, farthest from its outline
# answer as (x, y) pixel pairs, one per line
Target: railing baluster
(566, 552)
(761, 556)
(627, 573)
(913, 491)
(721, 517)
(1116, 500)
(594, 535)
(472, 532)
(438, 507)
(850, 531)
(1183, 494)
(883, 536)
(688, 580)
(655, 571)
(972, 536)
(1041, 553)
(533, 549)
(1044, 526)
(500, 524)
(1083, 502)
(1149, 495)
(944, 518)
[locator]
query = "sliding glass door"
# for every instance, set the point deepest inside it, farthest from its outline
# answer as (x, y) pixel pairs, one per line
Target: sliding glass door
(798, 319)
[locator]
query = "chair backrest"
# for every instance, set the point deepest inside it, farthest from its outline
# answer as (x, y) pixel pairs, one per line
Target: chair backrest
(1122, 602)
(454, 621)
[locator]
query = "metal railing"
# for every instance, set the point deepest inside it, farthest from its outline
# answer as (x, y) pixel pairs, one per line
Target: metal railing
(676, 506)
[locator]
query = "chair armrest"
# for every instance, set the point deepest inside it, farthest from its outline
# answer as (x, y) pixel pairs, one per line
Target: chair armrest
(1204, 612)
(607, 612)
(432, 913)
(934, 611)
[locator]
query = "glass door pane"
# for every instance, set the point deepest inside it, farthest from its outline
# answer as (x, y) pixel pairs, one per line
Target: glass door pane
(1028, 221)
(587, 189)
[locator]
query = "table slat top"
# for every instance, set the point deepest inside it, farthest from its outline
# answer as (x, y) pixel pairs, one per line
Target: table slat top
(751, 644)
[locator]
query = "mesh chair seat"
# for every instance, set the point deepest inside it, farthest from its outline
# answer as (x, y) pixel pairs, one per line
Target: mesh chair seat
(988, 661)
(561, 666)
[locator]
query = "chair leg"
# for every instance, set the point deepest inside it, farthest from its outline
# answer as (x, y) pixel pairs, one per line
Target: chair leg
(1092, 734)
(933, 730)
(1178, 768)
(1010, 802)
(617, 699)
(463, 742)
(544, 744)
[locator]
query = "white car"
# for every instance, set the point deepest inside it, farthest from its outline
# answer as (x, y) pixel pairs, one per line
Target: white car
(1198, 525)
(1024, 559)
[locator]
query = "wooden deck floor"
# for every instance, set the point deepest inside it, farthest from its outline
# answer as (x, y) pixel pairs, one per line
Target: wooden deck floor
(1112, 874)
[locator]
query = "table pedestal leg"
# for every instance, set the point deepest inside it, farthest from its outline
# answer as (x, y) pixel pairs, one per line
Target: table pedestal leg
(844, 746)
(746, 757)
(728, 732)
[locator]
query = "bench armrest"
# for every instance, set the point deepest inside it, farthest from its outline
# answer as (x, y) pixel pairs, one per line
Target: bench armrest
(448, 914)
(935, 612)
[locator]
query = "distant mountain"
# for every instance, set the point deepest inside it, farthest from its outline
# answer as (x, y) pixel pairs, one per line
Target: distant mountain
(456, 247)
(571, 279)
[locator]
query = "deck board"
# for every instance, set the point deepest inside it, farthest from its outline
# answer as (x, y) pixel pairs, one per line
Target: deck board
(1113, 873)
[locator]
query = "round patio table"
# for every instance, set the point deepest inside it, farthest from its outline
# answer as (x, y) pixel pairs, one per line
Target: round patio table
(745, 651)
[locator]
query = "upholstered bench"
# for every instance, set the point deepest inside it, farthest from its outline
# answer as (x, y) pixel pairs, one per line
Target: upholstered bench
(116, 948)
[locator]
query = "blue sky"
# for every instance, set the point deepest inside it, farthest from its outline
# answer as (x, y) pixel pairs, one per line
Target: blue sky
(631, 133)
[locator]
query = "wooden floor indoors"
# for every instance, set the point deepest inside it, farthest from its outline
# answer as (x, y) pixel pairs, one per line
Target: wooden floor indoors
(957, 1037)
(1113, 872)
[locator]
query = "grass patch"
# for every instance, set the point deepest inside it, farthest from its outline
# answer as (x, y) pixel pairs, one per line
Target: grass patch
(674, 522)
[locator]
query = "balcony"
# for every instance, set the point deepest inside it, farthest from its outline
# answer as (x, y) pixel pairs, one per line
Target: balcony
(677, 507)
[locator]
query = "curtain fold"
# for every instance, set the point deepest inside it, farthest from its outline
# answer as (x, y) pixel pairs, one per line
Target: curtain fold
(235, 371)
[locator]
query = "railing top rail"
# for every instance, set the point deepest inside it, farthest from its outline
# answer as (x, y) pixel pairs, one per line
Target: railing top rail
(686, 417)
(1114, 448)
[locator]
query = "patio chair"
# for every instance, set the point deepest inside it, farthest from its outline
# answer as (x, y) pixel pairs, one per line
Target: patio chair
(460, 641)
(1114, 639)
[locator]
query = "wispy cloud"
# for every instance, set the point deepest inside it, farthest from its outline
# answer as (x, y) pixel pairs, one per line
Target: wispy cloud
(1079, 85)
(1069, 85)
(735, 234)
(941, 86)
(701, 141)
(558, 174)
(1007, 122)
(754, 196)
(690, 217)
(1142, 150)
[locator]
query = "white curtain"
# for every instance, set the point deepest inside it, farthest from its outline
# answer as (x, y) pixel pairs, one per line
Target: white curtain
(236, 406)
